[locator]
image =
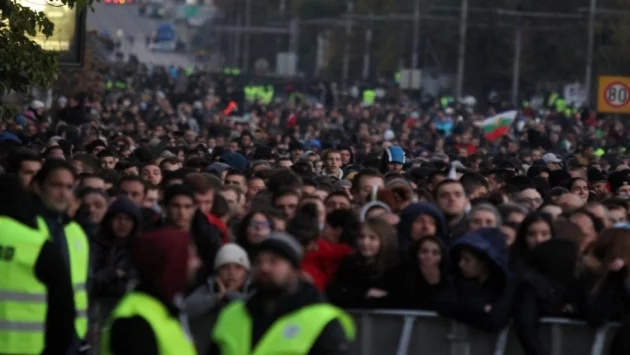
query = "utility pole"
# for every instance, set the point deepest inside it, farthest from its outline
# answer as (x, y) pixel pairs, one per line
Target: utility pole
(416, 35)
(589, 51)
(365, 73)
(248, 20)
(294, 35)
(237, 39)
(461, 56)
(516, 69)
(346, 47)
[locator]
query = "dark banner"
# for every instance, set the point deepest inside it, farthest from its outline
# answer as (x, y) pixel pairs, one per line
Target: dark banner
(68, 37)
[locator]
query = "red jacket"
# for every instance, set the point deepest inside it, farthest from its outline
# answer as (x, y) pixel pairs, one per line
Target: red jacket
(322, 264)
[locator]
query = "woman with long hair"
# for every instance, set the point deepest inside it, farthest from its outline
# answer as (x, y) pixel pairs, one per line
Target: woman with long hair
(369, 278)
(427, 274)
(536, 229)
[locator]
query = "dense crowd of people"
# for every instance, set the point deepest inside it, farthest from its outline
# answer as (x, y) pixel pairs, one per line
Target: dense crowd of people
(182, 186)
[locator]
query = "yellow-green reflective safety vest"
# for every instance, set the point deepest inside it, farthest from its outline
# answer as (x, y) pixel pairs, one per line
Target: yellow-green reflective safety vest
(292, 334)
(267, 94)
(79, 252)
(250, 93)
(369, 97)
(23, 298)
(551, 102)
(169, 335)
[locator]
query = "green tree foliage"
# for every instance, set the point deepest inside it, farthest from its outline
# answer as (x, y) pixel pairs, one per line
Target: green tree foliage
(22, 61)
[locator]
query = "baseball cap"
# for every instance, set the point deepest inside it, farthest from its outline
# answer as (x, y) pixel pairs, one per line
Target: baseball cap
(551, 158)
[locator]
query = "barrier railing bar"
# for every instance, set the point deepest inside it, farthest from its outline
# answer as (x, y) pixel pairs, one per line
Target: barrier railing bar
(422, 313)
(556, 341)
(366, 331)
(458, 337)
(405, 336)
(600, 341)
(502, 340)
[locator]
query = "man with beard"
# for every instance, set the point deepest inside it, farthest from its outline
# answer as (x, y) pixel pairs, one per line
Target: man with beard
(286, 314)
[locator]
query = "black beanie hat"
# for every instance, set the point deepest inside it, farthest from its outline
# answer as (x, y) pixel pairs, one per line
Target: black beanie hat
(283, 245)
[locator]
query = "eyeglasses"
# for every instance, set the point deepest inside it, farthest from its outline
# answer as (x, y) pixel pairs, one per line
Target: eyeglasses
(256, 224)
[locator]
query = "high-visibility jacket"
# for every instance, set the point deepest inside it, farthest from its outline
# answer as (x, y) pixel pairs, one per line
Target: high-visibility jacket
(292, 334)
(79, 253)
(369, 97)
(267, 94)
(169, 334)
(446, 100)
(23, 298)
(250, 93)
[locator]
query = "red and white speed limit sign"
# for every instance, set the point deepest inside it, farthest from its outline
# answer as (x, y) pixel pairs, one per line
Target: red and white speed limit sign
(614, 94)
(617, 94)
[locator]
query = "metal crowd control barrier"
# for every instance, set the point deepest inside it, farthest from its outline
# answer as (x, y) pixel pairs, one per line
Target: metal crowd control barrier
(408, 332)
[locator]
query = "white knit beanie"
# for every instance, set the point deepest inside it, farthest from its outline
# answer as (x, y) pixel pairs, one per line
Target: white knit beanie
(231, 253)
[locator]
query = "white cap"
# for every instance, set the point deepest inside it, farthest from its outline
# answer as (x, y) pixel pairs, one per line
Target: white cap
(36, 104)
(389, 135)
(231, 254)
(551, 158)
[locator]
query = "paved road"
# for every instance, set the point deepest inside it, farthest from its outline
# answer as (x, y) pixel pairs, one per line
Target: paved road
(109, 18)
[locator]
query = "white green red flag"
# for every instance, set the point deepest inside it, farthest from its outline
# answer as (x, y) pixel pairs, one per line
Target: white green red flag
(497, 126)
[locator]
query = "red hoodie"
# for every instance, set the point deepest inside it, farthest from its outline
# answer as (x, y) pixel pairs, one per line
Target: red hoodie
(322, 264)
(161, 259)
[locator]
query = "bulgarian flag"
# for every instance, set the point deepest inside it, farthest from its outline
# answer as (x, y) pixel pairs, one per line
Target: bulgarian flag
(497, 126)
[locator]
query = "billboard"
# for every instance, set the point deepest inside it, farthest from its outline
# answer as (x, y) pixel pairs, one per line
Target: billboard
(68, 36)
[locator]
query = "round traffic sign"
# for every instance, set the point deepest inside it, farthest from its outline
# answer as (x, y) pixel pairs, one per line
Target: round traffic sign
(617, 94)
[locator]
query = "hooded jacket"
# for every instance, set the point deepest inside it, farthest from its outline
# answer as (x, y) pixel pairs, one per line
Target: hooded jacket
(110, 255)
(415, 210)
(468, 299)
(161, 260)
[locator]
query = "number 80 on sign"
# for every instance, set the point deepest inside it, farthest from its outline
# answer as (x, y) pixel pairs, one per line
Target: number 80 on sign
(614, 95)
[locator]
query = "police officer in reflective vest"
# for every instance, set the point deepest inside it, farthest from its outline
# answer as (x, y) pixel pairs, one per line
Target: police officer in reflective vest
(36, 300)
(285, 315)
(147, 320)
(54, 185)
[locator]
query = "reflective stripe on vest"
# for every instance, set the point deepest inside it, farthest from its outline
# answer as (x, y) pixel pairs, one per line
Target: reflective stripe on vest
(78, 251)
(23, 301)
(294, 333)
(169, 335)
